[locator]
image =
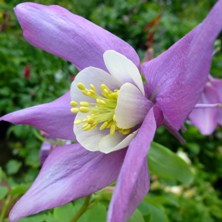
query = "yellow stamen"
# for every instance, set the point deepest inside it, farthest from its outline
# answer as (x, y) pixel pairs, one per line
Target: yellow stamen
(125, 131)
(92, 87)
(90, 94)
(84, 92)
(81, 86)
(84, 103)
(77, 122)
(93, 127)
(90, 121)
(114, 95)
(101, 101)
(109, 125)
(103, 126)
(74, 103)
(101, 111)
(84, 109)
(86, 126)
(74, 110)
(112, 129)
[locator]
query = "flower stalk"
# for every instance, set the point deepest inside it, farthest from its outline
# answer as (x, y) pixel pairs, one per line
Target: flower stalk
(82, 209)
(5, 207)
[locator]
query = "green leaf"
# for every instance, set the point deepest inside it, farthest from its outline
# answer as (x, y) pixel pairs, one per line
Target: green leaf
(49, 218)
(155, 214)
(19, 189)
(153, 211)
(167, 165)
(35, 218)
(13, 167)
(1, 174)
(97, 213)
(65, 213)
(3, 192)
(136, 217)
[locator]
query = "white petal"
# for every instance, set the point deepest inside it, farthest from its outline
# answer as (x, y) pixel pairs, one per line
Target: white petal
(89, 139)
(123, 69)
(131, 107)
(110, 143)
(95, 76)
(97, 140)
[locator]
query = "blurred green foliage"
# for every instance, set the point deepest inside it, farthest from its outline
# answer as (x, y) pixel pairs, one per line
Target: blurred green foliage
(30, 76)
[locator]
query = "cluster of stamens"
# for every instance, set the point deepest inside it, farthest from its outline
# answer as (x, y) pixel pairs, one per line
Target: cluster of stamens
(101, 111)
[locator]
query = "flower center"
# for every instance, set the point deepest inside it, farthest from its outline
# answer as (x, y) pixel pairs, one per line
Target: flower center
(101, 112)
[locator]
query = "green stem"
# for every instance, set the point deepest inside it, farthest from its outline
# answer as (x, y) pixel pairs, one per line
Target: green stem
(4, 208)
(82, 209)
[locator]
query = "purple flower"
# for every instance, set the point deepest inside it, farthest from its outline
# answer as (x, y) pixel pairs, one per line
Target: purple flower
(175, 80)
(208, 113)
(101, 100)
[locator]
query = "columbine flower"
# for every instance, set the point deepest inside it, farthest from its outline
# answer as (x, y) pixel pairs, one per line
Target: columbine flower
(208, 113)
(110, 106)
(175, 80)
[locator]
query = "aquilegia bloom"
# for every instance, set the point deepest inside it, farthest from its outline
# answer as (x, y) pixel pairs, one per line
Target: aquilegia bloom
(109, 106)
(208, 113)
(175, 80)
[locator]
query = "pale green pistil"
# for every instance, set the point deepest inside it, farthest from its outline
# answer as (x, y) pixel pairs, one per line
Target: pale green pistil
(102, 111)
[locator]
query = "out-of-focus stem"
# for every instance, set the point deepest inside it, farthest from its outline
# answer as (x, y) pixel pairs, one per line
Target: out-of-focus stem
(82, 209)
(4, 208)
